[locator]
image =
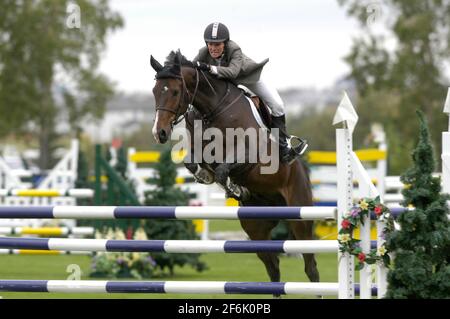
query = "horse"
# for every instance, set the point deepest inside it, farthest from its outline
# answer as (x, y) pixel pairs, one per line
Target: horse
(184, 91)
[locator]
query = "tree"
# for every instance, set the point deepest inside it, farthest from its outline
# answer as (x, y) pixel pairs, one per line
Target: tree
(165, 194)
(422, 246)
(48, 66)
(389, 81)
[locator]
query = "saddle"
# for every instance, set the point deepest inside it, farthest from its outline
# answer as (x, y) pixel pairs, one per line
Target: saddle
(261, 106)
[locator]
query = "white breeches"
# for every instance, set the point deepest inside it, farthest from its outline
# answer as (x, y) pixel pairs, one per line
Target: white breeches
(270, 95)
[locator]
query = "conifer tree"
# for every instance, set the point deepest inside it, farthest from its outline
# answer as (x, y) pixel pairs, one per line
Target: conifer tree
(422, 246)
(166, 194)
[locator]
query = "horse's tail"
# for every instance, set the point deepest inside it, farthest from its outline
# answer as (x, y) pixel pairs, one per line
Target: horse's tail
(306, 168)
(305, 184)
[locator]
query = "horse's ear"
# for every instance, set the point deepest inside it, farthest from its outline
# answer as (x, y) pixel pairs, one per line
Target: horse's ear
(155, 64)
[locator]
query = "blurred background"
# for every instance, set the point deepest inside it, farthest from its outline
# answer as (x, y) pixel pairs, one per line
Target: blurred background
(76, 113)
(81, 68)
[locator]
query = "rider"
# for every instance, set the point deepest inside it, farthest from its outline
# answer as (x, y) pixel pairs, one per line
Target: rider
(224, 58)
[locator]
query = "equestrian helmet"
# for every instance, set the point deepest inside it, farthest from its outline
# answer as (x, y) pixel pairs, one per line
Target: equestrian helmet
(216, 32)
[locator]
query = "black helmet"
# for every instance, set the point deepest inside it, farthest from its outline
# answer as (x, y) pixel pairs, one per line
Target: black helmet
(216, 32)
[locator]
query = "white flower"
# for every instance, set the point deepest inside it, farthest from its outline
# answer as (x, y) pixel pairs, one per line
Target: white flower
(119, 234)
(381, 251)
(344, 238)
(135, 256)
(98, 234)
(109, 234)
(140, 234)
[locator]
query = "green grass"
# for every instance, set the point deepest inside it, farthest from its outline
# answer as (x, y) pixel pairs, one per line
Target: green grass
(224, 225)
(222, 267)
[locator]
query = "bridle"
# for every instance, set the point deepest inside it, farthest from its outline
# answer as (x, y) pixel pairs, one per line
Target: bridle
(178, 116)
(207, 118)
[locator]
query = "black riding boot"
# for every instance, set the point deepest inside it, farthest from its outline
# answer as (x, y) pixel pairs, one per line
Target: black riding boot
(288, 152)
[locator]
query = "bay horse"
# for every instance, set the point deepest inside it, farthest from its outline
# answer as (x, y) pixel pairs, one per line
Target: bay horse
(220, 104)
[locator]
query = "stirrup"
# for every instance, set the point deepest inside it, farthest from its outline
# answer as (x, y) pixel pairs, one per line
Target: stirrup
(297, 145)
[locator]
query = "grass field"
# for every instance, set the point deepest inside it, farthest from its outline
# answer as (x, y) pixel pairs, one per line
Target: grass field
(224, 225)
(222, 267)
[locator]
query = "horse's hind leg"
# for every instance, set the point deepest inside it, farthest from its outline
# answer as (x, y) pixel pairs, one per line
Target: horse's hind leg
(300, 195)
(260, 230)
(303, 230)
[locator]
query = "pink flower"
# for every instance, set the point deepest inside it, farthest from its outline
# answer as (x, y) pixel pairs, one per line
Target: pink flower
(378, 210)
(361, 257)
(345, 224)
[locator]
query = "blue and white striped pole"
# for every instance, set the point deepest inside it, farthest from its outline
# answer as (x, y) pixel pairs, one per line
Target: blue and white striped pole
(169, 212)
(175, 287)
(173, 246)
(187, 287)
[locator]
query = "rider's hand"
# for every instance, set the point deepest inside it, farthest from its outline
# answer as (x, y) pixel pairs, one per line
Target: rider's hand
(203, 66)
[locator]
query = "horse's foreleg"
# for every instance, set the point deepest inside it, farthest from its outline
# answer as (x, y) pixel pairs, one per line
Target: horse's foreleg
(201, 175)
(232, 190)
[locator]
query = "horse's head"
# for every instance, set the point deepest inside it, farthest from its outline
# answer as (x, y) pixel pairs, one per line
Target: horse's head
(171, 96)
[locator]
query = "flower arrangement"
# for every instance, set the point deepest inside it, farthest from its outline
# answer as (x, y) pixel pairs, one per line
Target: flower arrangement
(122, 264)
(356, 216)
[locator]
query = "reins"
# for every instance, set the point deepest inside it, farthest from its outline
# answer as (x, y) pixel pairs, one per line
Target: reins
(207, 118)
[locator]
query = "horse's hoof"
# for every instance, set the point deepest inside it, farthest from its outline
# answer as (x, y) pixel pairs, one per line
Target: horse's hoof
(245, 193)
(239, 193)
(205, 177)
(235, 196)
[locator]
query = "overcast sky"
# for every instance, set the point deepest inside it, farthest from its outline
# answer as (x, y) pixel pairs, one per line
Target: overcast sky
(304, 39)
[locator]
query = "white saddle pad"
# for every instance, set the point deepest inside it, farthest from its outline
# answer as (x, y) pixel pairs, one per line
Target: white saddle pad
(258, 118)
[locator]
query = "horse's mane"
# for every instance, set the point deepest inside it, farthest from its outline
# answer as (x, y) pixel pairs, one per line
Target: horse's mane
(172, 68)
(177, 58)
(172, 65)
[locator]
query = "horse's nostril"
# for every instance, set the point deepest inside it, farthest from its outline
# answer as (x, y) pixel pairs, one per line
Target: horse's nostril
(162, 136)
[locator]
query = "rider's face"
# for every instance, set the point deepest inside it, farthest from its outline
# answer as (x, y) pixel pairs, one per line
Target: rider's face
(216, 49)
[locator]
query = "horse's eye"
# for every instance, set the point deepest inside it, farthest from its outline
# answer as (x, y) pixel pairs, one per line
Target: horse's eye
(175, 93)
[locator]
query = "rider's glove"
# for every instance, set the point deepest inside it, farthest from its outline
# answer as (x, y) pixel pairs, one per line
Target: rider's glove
(203, 66)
